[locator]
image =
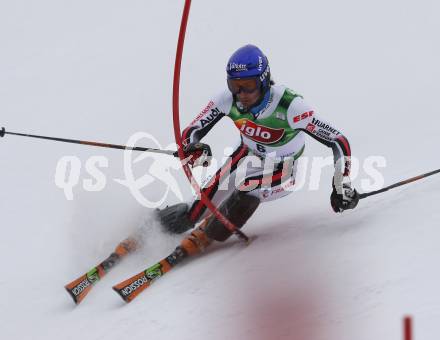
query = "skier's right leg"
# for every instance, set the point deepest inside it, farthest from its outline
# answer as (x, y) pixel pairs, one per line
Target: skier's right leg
(127, 246)
(79, 288)
(174, 219)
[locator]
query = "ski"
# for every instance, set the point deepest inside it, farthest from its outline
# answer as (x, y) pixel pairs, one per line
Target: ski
(194, 243)
(79, 288)
(132, 287)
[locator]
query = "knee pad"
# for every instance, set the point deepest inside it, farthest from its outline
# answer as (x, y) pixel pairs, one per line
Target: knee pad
(238, 208)
(174, 219)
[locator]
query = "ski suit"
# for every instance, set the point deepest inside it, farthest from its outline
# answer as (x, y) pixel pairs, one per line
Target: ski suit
(274, 138)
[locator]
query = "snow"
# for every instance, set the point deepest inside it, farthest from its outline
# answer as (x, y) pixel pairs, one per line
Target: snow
(102, 71)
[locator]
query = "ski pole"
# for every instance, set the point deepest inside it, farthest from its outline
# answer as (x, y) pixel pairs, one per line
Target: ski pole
(398, 184)
(3, 132)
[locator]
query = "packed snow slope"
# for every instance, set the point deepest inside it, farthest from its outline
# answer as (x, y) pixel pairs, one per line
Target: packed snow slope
(102, 70)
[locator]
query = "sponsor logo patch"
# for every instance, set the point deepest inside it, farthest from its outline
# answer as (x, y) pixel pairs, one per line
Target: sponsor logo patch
(260, 63)
(323, 134)
(204, 111)
(259, 133)
(154, 272)
(265, 74)
(265, 193)
(80, 287)
(280, 115)
(302, 116)
(93, 275)
(237, 67)
(209, 118)
(324, 126)
(310, 127)
(134, 286)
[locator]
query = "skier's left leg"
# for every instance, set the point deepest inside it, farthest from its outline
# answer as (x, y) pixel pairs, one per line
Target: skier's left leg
(238, 208)
(256, 188)
(181, 217)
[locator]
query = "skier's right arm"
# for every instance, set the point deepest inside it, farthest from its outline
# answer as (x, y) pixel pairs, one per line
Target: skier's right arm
(196, 152)
(214, 111)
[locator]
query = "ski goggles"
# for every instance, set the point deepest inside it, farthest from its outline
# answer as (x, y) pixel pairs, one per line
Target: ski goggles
(245, 85)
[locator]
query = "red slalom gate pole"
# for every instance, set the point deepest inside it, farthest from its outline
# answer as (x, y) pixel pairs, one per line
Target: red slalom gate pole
(177, 133)
(407, 328)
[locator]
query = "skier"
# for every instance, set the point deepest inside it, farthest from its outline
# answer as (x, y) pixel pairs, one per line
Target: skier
(273, 122)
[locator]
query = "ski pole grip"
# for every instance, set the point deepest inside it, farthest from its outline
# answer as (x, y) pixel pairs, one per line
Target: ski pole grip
(2, 132)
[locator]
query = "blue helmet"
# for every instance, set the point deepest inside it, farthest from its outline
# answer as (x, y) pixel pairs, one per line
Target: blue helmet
(249, 62)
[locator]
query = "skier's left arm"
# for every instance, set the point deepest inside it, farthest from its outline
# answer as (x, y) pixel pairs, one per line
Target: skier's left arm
(302, 116)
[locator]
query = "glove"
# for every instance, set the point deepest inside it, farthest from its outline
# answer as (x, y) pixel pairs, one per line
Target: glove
(198, 154)
(348, 198)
